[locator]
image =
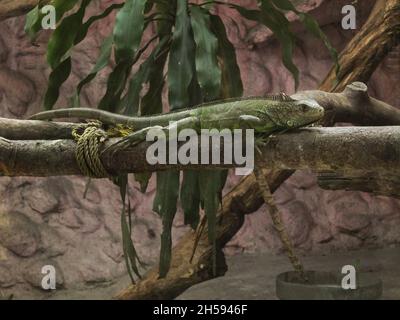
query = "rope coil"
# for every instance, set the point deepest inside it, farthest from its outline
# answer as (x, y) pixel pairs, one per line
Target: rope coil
(88, 150)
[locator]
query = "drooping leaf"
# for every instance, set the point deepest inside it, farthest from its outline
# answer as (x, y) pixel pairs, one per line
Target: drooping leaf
(131, 258)
(208, 71)
(64, 36)
(82, 32)
(128, 29)
(190, 198)
(151, 103)
(31, 23)
(165, 204)
(131, 101)
(56, 78)
(126, 52)
(143, 180)
(180, 72)
(34, 18)
(279, 25)
(115, 86)
(312, 26)
(211, 184)
(232, 85)
(59, 44)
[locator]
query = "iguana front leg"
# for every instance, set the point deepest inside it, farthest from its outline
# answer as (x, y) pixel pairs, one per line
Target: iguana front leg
(168, 133)
(253, 122)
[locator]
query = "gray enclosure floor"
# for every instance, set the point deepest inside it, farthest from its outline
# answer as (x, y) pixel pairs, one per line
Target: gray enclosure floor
(252, 276)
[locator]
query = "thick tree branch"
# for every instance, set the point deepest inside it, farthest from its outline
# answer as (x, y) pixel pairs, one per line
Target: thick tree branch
(14, 129)
(320, 149)
(373, 182)
(353, 105)
(369, 47)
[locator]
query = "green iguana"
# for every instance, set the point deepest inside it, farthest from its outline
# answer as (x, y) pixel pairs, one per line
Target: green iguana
(266, 115)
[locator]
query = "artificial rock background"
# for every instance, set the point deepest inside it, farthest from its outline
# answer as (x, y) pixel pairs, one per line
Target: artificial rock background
(46, 221)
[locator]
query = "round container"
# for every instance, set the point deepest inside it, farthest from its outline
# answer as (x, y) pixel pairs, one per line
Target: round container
(326, 286)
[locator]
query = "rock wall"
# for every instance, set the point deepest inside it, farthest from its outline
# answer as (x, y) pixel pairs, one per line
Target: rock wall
(47, 221)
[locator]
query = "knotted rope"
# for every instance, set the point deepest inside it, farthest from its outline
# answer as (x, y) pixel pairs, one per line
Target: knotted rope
(87, 152)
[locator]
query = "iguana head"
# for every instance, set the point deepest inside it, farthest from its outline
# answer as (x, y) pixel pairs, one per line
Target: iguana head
(295, 113)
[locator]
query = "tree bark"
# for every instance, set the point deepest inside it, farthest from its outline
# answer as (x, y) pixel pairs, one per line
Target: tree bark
(373, 149)
(246, 197)
(14, 129)
(368, 48)
(372, 182)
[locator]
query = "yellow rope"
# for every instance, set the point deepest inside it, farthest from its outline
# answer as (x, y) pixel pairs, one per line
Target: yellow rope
(87, 151)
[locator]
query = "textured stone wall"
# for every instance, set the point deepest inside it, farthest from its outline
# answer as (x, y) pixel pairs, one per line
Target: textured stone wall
(46, 221)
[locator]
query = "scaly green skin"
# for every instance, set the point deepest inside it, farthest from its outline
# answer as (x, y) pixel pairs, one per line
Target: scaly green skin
(264, 115)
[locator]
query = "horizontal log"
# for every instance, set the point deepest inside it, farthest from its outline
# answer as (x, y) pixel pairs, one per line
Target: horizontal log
(353, 105)
(320, 149)
(371, 182)
(337, 148)
(14, 129)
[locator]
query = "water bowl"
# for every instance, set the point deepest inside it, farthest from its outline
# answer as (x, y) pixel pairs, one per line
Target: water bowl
(322, 285)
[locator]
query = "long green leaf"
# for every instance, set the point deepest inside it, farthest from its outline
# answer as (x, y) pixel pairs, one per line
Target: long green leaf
(82, 32)
(190, 198)
(59, 44)
(211, 184)
(180, 74)
(165, 204)
(190, 190)
(56, 78)
(115, 86)
(128, 29)
(151, 103)
(312, 26)
(64, 36)
(34, 18)
(131, 258)
(208, 71)
(232, 85)
(279, 25)
(182, 51)
(32, 25)
(131, 102)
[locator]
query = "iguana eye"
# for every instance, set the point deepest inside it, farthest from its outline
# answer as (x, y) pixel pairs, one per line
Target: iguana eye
(290, 123)
(304, 107)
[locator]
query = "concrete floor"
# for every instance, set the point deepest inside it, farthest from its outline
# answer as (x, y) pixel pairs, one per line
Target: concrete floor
(252, 276)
